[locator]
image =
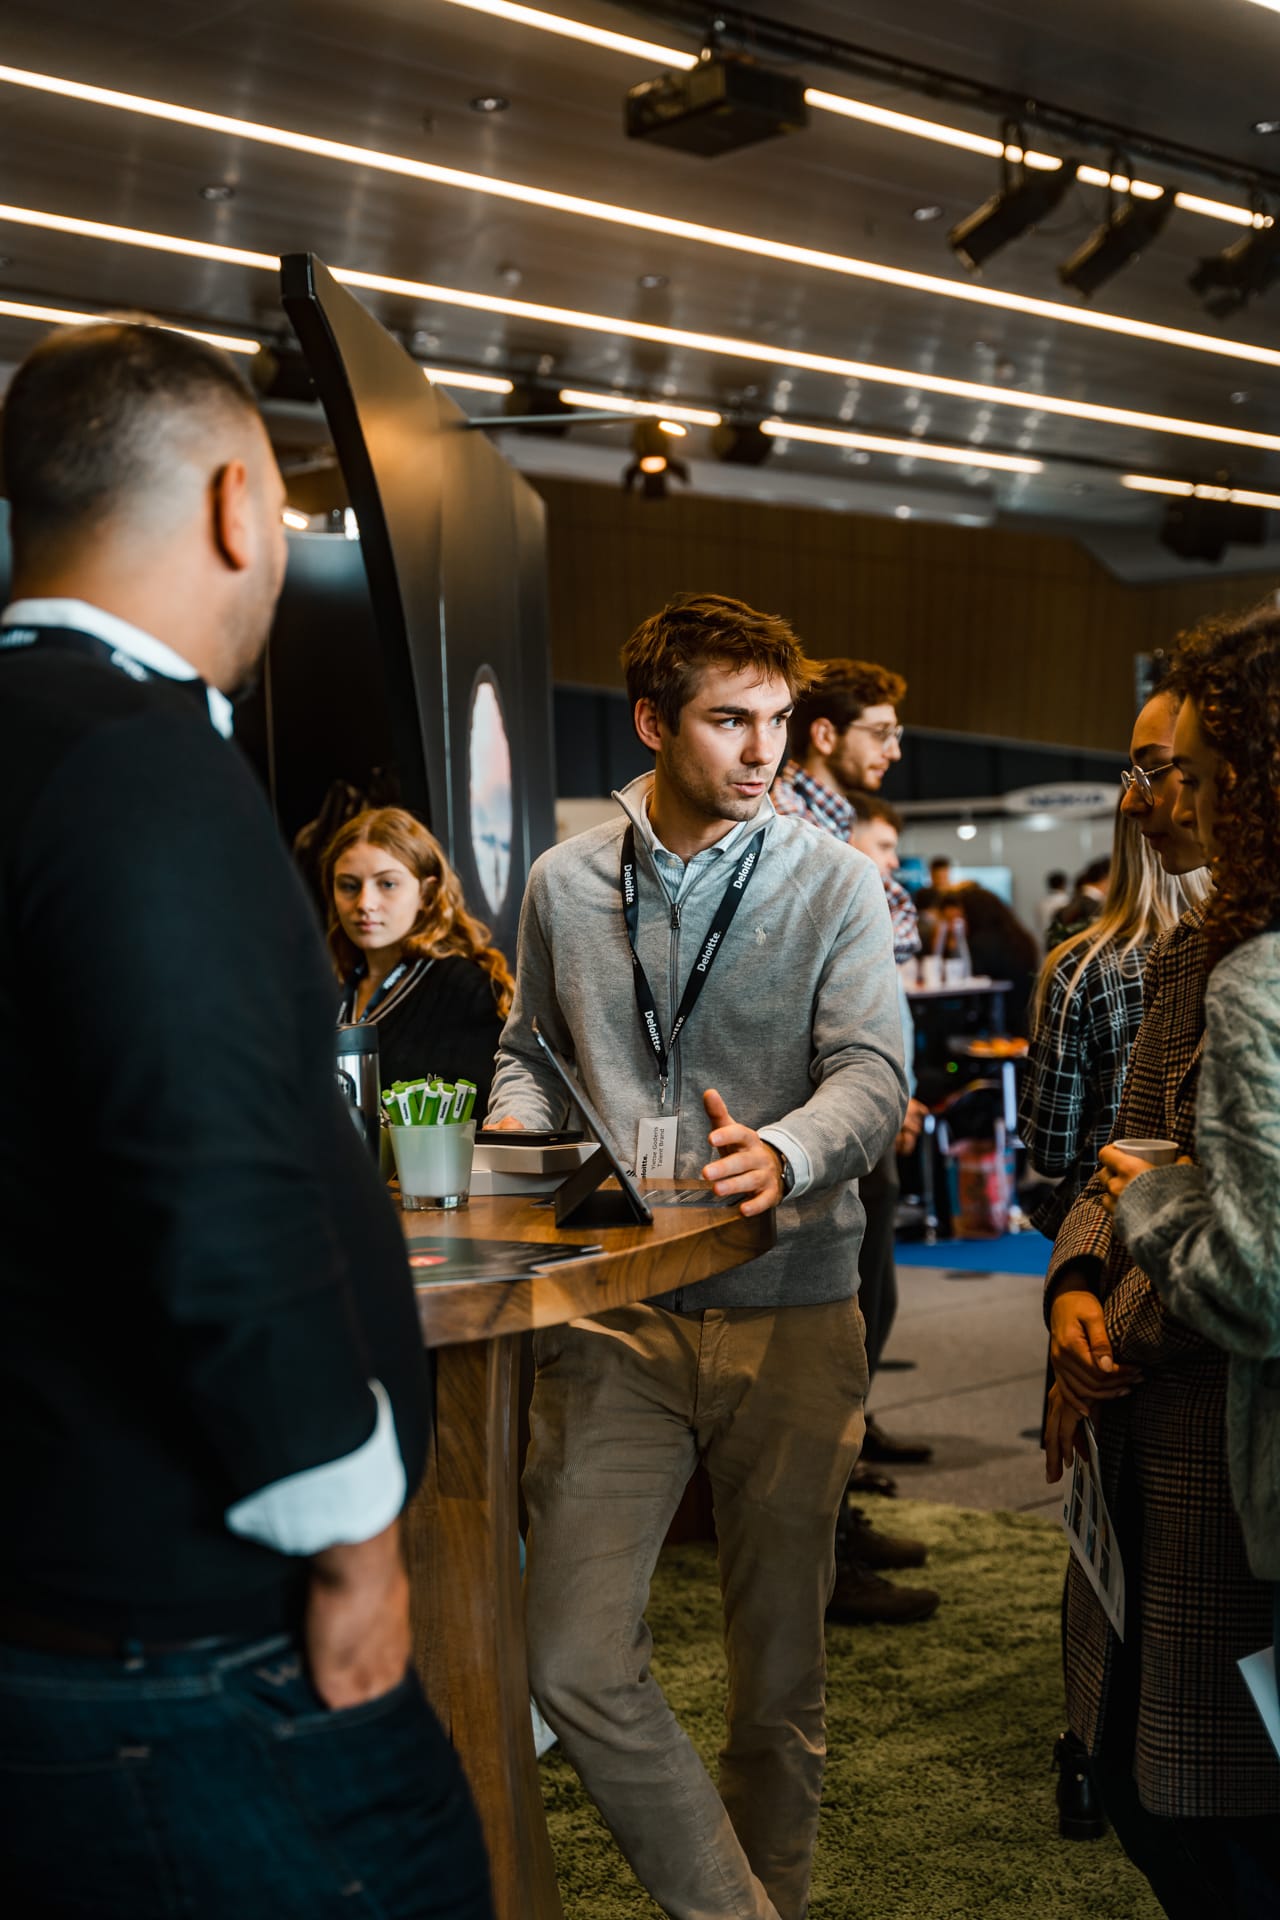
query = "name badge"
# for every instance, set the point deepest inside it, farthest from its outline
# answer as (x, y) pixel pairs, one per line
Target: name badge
(656, 1147)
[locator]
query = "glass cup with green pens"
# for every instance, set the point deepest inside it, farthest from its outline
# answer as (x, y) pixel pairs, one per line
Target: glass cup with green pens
(433, 1137)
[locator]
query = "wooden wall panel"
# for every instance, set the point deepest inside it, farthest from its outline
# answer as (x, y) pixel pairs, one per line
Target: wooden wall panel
(999, 632)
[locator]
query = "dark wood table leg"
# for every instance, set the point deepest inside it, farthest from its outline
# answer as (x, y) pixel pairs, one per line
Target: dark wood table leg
(462, 1546)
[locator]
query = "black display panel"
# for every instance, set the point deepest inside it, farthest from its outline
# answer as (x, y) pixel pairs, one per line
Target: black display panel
(453, 548)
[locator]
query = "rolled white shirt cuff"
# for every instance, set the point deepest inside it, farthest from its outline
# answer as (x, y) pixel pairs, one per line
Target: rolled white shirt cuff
(340, 1503)
(797, 1159)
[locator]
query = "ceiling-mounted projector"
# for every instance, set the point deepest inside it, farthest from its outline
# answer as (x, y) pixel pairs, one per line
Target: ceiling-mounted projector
(721, 104)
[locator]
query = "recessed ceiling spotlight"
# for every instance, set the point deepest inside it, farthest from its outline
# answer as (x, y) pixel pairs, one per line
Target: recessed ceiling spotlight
(1005, 369)
(218, 190)
(902, 513)
(1265, 126)
(930, 212)
(510, 274)
(1239, 398)
(651, 282)
(489, 103)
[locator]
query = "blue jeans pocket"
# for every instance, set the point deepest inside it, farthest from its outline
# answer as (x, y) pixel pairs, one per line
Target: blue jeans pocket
(276, 1696)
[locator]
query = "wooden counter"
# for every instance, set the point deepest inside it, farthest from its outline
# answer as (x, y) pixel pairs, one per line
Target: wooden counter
(462, 1538)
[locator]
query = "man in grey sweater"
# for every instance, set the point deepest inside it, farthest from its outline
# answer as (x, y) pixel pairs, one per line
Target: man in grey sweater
(772, 1040)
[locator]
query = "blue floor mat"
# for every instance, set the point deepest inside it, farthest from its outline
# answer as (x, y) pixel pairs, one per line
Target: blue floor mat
(1012, 1253)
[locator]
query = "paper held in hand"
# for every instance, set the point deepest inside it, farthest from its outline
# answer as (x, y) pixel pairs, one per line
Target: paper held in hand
(1088, 1527)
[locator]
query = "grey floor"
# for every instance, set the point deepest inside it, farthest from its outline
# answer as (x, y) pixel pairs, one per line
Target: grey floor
(975, 1391)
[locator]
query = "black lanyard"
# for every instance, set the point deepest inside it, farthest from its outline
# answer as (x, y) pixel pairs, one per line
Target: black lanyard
(729, 904)
(400, 981)
(21, 639)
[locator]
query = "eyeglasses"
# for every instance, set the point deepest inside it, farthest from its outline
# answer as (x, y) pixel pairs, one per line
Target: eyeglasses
(883, 734)
(1138, 780)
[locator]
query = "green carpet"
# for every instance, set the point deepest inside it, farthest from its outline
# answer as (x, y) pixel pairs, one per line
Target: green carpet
(938, 1803)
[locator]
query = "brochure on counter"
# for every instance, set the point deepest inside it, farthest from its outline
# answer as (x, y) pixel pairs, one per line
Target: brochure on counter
(436, 1260)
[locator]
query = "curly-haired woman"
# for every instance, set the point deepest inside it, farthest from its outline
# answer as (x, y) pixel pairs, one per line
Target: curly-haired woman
(1209, 1236)
(410, 956)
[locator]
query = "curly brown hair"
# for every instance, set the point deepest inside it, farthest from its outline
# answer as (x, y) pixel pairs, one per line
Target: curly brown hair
(444, 925)
(1230, 668)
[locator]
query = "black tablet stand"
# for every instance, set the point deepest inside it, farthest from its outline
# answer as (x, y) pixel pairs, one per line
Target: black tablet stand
(580, 1203)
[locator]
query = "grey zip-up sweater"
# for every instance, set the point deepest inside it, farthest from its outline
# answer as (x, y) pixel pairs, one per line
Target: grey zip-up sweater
(1208, 1236)
(797, 1026)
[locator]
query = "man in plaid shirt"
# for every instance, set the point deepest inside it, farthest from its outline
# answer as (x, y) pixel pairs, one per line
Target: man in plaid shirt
(844, 739)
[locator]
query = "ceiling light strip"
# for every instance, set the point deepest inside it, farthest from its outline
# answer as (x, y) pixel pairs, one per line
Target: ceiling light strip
(752, 350)
(580, 30)
(67, 317)
(849, 109)
(1191, 490)
(907, 449)
(475, 382)
(646, 222)
(646, 409)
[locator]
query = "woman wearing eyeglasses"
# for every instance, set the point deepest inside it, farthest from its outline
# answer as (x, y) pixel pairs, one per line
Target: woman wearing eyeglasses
(1209, 1234)
(1085, 1017)
(1183, 1766)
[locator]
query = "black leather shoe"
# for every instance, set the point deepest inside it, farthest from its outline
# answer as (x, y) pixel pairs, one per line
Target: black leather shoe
(867, 1480)
(1080, 1815)
(860, 1544)
(879, 1450)
(861, 1597)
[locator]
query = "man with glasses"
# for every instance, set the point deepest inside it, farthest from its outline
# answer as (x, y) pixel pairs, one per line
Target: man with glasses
(845, 736)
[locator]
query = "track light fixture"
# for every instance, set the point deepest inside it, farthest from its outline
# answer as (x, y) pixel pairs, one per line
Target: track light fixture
(741, 443)
(1026, 197)
(1228, 280)
(1126, 232)
(650, 441)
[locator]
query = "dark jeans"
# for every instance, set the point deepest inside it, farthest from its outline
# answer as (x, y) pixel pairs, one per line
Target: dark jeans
(217, 1786)
(877, 1274)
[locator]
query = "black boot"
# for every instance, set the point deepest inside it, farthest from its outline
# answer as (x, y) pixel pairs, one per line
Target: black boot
(1080, 1815)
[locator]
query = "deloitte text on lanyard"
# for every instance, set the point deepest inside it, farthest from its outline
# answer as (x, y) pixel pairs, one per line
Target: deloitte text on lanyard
(702, 966)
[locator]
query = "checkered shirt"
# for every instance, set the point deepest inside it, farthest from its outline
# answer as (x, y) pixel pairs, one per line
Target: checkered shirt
(795, 792)
(1075, 1072)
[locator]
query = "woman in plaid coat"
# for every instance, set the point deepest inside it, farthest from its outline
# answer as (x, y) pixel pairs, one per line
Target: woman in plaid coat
(1180, 1756)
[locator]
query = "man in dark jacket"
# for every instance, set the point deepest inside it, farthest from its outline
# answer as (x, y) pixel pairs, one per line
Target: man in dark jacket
(212, 1392)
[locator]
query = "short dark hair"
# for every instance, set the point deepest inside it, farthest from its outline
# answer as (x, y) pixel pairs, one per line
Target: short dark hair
(79, 433)
(869, 806)
(1095, 873)
(665, 657)
(841, 693)
(940, 860)
(1056, 880)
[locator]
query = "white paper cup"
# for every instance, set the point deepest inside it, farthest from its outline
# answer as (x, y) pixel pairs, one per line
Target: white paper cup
(1156, 1153)
(931, 970)
(434, 1165)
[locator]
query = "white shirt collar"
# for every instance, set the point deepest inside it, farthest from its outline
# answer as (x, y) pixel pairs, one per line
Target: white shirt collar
(125, 638)
(640, 812)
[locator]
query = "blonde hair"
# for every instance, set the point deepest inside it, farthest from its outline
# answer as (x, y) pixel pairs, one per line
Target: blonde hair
(443, 926)
(1141, 901)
